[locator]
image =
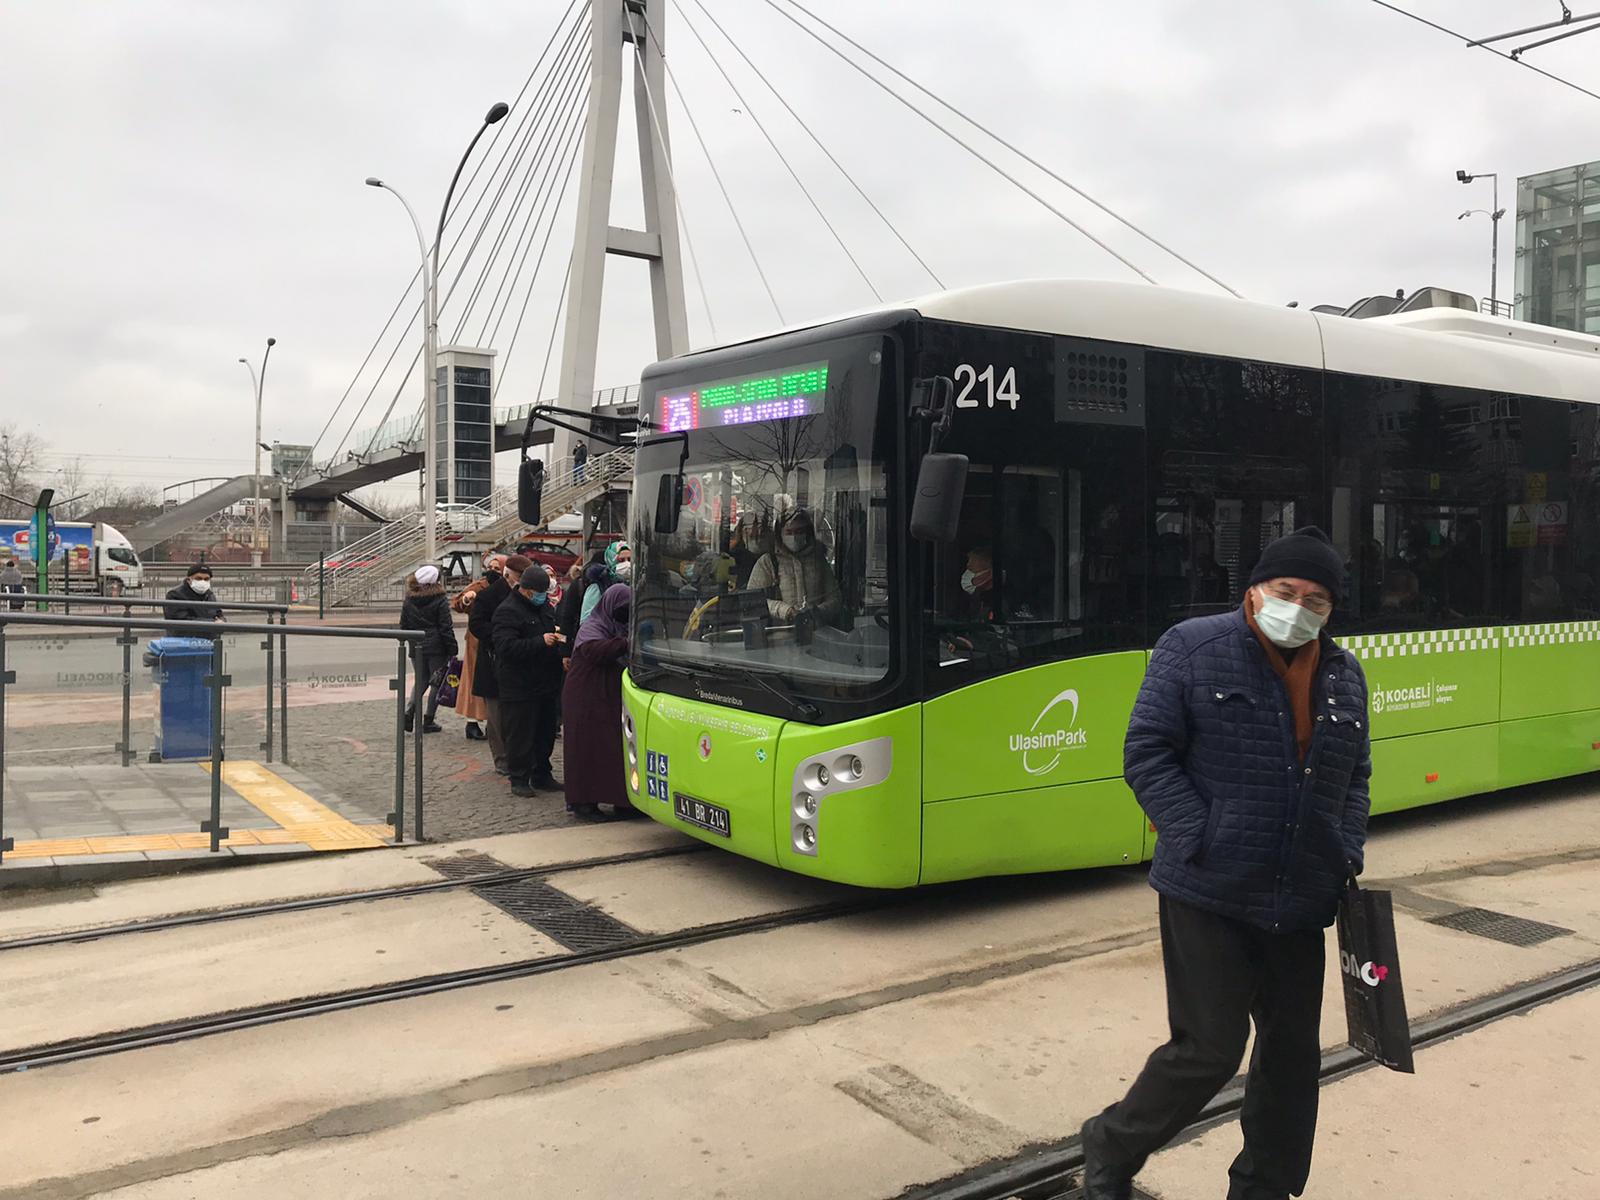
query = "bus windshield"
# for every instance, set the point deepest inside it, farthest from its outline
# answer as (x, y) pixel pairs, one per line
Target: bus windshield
(775, 562)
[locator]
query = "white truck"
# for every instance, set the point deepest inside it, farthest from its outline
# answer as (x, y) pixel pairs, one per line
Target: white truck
(97, 557)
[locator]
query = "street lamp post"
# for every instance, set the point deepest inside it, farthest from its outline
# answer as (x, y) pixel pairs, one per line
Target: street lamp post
(1494, 214)
(256, 384)
(430, 336)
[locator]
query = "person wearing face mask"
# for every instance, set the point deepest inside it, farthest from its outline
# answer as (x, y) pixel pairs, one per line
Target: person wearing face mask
(977, 581)
(528, 670)
(195, 588)
(797, 571)
(1249, 751)
(480, 624)
(427, 610)
(470, 706)
(615, 567)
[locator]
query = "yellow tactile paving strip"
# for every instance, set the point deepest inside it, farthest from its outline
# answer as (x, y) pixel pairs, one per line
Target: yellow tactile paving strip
(297, 814)
(139, 843)
(302, 820)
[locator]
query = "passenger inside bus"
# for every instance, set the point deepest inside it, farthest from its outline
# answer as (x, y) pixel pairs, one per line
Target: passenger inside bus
(796, 574)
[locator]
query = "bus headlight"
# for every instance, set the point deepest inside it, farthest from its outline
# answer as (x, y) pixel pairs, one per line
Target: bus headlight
(806, 839)
(805, 805)
(820, 776)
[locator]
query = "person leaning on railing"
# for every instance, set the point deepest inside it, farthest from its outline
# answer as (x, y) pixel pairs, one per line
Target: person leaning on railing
(195, 589)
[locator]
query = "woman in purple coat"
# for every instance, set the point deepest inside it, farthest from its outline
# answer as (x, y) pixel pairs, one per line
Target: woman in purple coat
(591, 705)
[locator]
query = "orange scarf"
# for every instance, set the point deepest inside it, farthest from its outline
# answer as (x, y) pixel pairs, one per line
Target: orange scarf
(1297, 668)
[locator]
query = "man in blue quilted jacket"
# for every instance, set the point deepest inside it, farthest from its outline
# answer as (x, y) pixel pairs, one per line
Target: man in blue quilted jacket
(1248, 750)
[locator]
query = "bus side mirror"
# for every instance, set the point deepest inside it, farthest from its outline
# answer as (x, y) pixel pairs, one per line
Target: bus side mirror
(941, 489)
(669, 503)
(530, 491)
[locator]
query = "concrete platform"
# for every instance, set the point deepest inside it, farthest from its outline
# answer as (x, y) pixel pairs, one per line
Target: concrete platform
(850, 1058)
(77, 822)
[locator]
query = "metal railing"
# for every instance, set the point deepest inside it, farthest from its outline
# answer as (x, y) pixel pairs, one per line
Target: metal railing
(218, 681)
(399, 548)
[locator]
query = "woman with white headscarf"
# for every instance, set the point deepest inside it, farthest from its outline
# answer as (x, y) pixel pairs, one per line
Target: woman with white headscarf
(428, 609)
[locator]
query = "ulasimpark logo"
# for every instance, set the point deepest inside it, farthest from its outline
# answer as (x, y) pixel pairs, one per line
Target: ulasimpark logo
(1063, 737)
(1370, 974)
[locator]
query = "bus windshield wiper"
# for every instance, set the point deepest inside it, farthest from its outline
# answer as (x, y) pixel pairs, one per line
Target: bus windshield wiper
(649, 672)
(804, 709)
(718, 669)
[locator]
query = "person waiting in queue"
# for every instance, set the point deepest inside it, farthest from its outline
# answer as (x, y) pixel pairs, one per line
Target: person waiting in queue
(617, 567)
(195, 589)
(592, 703)
(797, 571)
(528, 670)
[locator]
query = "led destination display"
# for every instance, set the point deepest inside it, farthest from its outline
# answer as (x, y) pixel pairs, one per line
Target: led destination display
(775, 396)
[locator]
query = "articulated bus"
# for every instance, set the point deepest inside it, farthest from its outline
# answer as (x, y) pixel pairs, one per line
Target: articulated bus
(812, 686)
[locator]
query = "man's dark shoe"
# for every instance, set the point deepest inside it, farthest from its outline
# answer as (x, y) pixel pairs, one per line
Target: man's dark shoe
(432, 727)
(521, 787)
(408, 722)
(548, 783)
(475, 732)
(588, 812)
(1101, 1181)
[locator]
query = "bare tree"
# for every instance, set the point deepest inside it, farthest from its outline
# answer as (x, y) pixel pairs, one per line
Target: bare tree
(20, 451)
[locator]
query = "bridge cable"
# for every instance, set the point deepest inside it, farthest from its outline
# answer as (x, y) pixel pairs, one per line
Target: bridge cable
(454, 283)
(542, 169)
(555, 33)
(979, 155)
(1022, 154)
(716, 174)
(555, 325)
(551, 155)
(573, 158)
(750, 110)
(771, 87)
(522, 123)
(677, 196)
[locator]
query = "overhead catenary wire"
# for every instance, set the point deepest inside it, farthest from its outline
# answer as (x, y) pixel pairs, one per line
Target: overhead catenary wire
(710, 161)
(1465, 40)
(822, 146)
(750, 111)
(1022, 154)
(399, 304)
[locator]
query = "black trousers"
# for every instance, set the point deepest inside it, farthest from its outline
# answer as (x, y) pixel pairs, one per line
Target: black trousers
(430, 669)
(529, 729)
(1221, 975)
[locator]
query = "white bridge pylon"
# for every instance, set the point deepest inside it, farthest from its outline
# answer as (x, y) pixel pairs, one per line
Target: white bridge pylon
(633, 30)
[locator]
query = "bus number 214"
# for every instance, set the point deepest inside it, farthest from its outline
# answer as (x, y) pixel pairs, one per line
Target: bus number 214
(969, 377)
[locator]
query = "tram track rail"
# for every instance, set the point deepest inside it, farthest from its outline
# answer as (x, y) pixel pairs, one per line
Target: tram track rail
(299, 904)
(1051, 1172)
(190, 1028)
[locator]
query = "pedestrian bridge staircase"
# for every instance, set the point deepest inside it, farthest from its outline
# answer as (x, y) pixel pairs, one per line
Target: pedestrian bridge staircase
(377, 563)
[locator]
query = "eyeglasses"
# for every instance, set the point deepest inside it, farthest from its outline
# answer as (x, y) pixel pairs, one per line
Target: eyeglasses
(1320, 605)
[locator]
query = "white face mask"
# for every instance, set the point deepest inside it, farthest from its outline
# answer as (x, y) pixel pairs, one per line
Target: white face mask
(624, 570)
(969, 583)
(1285, 623)
(793, 541)
(200, 586)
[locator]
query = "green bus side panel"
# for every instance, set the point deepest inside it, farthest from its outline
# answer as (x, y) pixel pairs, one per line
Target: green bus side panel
(1430, 680)
(1040, 829)
(869, 835)
(1426, 768)
(1040, 728)
(713, 753)
(1549, 669)
(1549, 747)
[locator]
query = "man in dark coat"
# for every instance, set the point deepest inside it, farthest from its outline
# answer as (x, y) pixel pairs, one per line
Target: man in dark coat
(527, 664)
(480, 623)
(1248, 749)
(195, 589)
(427, 610)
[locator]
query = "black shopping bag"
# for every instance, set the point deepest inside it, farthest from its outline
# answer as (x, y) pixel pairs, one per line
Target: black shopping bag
(1369, 964)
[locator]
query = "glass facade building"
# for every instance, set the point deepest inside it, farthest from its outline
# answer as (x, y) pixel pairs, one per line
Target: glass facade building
(464, 425)
(1558, 248)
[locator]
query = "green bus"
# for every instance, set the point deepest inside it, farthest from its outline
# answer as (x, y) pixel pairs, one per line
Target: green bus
(812, 686)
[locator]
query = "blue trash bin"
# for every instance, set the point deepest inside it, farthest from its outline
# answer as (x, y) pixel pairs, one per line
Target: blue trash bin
(183, 707)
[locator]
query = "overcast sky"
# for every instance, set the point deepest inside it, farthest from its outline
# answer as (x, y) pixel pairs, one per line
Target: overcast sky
(182, 179)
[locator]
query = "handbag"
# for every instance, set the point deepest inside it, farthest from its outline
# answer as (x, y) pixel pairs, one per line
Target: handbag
(1369, 965)
(450, 685)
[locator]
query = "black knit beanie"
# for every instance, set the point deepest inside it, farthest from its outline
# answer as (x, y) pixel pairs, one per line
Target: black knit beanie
(1304, 554)
(535, 579)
